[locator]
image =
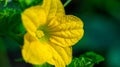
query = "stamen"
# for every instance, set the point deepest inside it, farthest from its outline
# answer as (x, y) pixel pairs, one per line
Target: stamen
(39, 33)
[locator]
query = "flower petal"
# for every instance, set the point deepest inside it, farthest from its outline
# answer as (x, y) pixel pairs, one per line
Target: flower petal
(66, 30)
(35, 15)
(60, 9)
(28, 24)
(35, 52)
(62, 56)
(53, 8)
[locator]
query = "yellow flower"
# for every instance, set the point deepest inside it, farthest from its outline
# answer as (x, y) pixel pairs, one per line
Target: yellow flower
(50, 34)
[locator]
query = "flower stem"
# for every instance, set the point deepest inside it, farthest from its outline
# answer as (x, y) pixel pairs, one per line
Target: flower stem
(67, 2)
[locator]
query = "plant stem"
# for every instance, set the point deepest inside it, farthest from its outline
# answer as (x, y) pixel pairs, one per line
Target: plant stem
(67, 2)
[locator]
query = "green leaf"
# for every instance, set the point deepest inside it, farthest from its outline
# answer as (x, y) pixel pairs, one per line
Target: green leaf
(96, 58)
(27, 3)
(86, 60)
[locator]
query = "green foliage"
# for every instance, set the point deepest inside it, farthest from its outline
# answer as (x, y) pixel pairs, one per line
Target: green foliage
(86, 60)
(10, 22)
(28, 3)
(6, 18)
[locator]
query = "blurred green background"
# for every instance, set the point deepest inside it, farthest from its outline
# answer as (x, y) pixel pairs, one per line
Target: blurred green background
(102, 29)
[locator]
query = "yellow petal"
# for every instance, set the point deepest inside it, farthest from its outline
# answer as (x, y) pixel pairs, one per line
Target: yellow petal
(35, 52)
(35, 15)
(28, 24)
(60, 9)
(66, 30)
(46, 5)
(61, 55)
(53, 8)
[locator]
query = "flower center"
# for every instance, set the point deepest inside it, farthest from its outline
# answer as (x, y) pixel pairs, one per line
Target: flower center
(43, 33)
(39, 33)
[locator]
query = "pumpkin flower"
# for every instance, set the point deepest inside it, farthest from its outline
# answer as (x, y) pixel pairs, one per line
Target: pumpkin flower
(50, 34)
